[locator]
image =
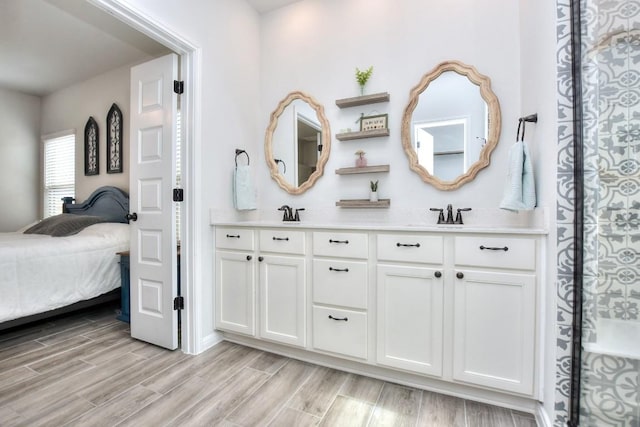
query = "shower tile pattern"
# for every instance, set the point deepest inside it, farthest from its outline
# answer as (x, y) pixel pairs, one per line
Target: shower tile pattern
(611, 133)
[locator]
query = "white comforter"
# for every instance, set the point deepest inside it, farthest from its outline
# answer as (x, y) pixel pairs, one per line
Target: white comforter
(39, 273)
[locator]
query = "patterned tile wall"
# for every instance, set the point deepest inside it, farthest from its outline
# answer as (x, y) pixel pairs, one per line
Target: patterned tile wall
(611, 250)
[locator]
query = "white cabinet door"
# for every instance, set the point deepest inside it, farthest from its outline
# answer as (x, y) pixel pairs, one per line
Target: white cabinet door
(494, 330)
(410, 318)
(235, 292)
(282, 299)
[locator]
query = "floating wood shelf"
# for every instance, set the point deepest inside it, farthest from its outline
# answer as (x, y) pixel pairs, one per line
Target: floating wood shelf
(363, 203)
(366, 169)
(363, 100)
(362, 134)
(448, 153)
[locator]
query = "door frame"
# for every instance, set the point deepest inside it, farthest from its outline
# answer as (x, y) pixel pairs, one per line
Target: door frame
(190, 73)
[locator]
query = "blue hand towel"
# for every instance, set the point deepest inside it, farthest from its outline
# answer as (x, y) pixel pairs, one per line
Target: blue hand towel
(244, 193)
(520, 188)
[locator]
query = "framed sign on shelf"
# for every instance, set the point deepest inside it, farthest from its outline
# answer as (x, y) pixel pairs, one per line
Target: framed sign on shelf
(91, 145)
(373, 122)
(114, 140)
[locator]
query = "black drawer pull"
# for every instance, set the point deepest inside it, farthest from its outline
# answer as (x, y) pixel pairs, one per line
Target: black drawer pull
(249, 257)
(482, 248)
(416, 245)
(437, 274)
(233, 236)
(346, 319)
(346, 242)
(346, 270)
(460, 275)
(281, 238)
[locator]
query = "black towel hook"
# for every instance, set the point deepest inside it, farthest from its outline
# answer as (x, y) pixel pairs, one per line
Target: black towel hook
(532, 118)
(238, 152)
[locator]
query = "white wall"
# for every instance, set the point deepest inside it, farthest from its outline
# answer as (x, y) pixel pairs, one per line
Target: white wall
(315, 45)
(19, 159)
(539, 95)
(70, 108)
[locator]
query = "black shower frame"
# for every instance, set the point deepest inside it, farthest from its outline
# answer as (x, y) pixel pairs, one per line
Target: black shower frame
(578, 223)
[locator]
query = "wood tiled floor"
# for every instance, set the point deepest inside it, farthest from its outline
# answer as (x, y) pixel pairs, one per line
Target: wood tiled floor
(85, 370)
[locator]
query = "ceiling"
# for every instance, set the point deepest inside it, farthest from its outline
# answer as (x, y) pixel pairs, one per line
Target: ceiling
(47, 45)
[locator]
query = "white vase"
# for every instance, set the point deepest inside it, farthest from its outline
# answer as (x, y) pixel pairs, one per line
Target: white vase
(373, 196)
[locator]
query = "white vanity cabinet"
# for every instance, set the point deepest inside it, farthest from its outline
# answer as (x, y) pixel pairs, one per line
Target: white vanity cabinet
(452, 309)
(410, 302)
(235, 280)
(495, 312)
(282, 280)
(340, 293)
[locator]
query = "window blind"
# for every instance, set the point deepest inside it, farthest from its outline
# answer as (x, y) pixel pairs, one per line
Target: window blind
(59, 172)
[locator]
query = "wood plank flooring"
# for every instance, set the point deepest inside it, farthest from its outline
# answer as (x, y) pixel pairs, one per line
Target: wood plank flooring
(85, 370)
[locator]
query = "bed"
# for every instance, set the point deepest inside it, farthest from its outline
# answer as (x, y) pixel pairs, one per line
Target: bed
(42, 275)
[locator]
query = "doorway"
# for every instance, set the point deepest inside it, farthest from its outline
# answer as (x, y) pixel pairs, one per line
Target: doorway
(189, 104)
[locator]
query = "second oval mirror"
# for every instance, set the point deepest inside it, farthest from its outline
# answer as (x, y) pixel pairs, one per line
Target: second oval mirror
(297, 142)
(451, 125)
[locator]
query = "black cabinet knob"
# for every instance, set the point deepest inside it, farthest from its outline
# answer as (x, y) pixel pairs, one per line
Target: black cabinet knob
(438, 274)
(460, 275)
(260, 258)
(132, 217)
(249, 257)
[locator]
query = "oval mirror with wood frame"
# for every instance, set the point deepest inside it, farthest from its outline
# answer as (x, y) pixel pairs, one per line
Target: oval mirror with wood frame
(297, 142)
(451, 125)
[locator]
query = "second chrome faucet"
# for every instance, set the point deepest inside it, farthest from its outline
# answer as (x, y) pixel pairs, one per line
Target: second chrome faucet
(449, 219)
(289, 215)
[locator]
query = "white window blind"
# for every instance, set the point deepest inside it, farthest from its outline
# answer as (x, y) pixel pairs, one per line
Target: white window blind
(59, 172)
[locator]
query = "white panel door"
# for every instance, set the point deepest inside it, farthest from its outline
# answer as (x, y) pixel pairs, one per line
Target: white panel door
(494, 330)
(235, 292)
(282, 299)
(410, 318)
(152, 178)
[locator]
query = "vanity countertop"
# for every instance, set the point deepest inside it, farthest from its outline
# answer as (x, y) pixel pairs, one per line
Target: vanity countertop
(385, 226)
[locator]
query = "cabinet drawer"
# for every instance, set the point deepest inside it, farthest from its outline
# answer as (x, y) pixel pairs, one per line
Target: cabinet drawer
(282, 241)
(348, 336)
(347, 245)
(234, 238)
(410, 248)
(501, 252)
(338, 282)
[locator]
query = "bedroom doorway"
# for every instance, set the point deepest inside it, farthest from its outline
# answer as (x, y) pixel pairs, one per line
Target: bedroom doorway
(189, 341)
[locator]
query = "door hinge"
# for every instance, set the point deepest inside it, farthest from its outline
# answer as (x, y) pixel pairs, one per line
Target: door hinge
(178, 303)
(178, 86)
(178, 195)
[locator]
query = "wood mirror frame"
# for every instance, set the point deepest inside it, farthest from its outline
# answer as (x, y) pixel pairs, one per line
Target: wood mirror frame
(493, 106)
(326, 143)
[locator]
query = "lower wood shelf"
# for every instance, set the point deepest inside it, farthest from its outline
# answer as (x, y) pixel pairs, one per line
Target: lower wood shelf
(363, 203)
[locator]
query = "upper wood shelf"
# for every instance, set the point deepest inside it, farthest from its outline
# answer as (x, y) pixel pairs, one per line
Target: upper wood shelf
(363, 100)
(366, 169)
(362, 134)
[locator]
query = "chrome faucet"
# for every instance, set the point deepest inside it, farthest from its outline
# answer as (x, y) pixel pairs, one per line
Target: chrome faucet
(450, 220)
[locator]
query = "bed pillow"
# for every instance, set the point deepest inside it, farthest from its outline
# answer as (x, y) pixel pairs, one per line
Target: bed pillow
(63, 225)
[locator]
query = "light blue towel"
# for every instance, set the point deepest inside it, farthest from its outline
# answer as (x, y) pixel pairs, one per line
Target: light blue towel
(520, 188)
(244, 193)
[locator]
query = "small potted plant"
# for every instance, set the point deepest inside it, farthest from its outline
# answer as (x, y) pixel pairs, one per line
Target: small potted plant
(373, 196)
(361, 160)
(362, 77)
